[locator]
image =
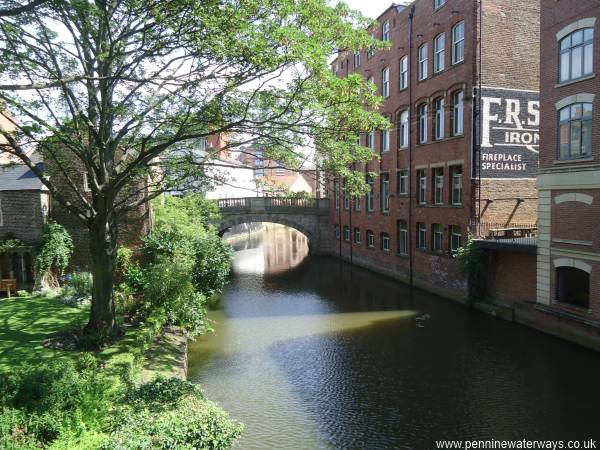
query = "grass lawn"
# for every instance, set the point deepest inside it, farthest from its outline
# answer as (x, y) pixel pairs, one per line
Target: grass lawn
(27, 321)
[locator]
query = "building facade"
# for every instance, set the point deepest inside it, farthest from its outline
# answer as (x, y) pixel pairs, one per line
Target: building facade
(568, 259)
(463, 149)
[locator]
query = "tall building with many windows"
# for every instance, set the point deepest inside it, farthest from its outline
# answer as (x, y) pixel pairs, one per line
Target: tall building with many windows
(569, 179)
(460, 86)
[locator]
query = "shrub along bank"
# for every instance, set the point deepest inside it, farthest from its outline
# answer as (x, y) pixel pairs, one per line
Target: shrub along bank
(75, 400)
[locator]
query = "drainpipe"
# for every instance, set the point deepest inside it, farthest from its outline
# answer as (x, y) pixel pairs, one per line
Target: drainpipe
(411, 229)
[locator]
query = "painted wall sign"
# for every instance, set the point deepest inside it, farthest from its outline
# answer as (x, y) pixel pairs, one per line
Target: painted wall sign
(510, 121)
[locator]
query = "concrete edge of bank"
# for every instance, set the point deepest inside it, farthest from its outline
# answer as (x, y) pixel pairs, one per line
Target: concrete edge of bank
(167, 356)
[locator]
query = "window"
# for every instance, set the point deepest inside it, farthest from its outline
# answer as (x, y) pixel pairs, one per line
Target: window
(371, 139)
(423, 61)
(577, 54)
(385, 141)
(404, 72)
(385, 242)
(438, 3)
(403, 182)
(346, 196)
(356, 203)
(347, 233)
(385, 82)
(458, 113)
(403, 129)
(259, 164)
(402, 237)
(438, 238)
(458, 43)
(370, 239)
(385, 31)
(575, 131)
(439, 105)
(422, 113)
(336, 193)
(439, 57)
(357, 235)
(457, 189)
(385, 192)
(356, 59)
(421, 236)
(422, 177)
(573, 286)
(371, 193)
(455, 238)
(336, 231)
(438, 180)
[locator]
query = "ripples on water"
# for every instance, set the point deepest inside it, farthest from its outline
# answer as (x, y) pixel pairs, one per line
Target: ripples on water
(310, 353)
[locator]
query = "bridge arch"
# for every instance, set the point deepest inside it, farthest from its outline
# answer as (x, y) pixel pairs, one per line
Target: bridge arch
(308, 216)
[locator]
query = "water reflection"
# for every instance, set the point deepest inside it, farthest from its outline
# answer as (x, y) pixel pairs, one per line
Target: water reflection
(328, 356)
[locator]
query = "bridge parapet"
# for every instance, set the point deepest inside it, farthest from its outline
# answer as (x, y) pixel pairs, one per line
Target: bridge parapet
(281, 204)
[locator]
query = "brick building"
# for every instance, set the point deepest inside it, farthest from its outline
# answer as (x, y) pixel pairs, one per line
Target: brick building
(569, 178)
(455, 76)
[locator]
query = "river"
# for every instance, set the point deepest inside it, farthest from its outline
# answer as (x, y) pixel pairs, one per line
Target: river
(310, 353)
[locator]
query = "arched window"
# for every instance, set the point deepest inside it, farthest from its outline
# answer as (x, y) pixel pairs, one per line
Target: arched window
(577, 54)
(439, 50)
(458, 113)
(439, 105)
(385, 82)
(575, 131)
(423, 61)
(422, 113)
(458, 42)
(573, 286)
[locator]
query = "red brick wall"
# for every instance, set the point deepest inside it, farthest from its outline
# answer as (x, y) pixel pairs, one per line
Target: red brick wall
(504, 208)
(436, 271)
(23, 217)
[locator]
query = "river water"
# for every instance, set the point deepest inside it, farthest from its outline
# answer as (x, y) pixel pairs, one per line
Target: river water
(310, 353)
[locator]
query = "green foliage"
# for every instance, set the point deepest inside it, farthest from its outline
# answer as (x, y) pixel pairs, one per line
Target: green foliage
(212, 264)
(170, 413)
(79, 284)
(8, 245)
(469, 258)
(55, 249)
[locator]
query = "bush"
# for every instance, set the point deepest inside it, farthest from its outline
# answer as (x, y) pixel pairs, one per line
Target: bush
(469, 258)
(212, 264)
(170, 413)
(55, 250)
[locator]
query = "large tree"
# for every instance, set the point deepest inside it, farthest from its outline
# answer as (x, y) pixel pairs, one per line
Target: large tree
(122, 90)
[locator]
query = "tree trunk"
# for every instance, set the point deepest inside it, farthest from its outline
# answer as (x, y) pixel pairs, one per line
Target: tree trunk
(103, 251)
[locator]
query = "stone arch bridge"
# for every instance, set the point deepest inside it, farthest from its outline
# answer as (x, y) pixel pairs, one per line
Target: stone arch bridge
(309, 216)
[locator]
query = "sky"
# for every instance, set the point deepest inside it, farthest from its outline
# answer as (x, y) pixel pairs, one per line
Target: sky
(370, 8)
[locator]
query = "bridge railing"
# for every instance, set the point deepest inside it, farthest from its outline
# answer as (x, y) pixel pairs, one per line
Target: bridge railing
(272, 203)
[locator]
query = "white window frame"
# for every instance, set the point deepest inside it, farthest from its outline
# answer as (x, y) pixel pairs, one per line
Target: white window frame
(439, 186)
(423, 53)
(422, 179)
(385, 140)
(455, 238)
(371, 140)
(347, 233)
(404, 72)
(437, 4)
(356, 235)
(385, 82)
(439, 56)
(422, 110)
(440, 115)
(458, 113)
(403, 182)
(585, 47)
(404, 129)
(458, 42)
(357, 60)
(457, 185)
(422, 236)
(370, 239)
(385, 242)
(385, 31)
(437, 244)
(402, 237)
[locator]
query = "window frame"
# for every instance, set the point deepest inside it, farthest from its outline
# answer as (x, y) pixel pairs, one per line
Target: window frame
(457, 175)
(423, 116)
(385, 136)
(438, 186)
(404, 131)
(458, 43)
(437, 241)
(403, 182)
(439, 53)
(357, 59)
(423, 66)
(386, 242)
(385, 31)
(356, 236)
(458, 111)
(422, 186)
(385, 82)
(384, 185)
(582, 121)
(370, 239)
(454, 234)
(402, 226)
(583, 45)
(421, 236)
(403, 78)
(347, 234)
(437, 4)
(439, 105)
